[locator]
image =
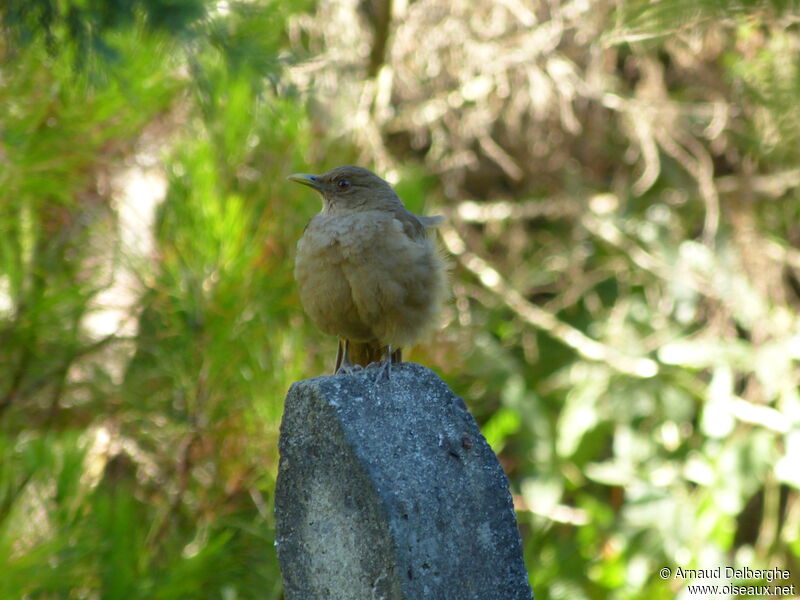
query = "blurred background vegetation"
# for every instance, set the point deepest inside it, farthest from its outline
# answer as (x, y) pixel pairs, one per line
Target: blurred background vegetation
(621, 181)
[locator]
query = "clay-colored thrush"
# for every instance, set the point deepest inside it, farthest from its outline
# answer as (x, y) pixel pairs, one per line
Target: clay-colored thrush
(366, 268)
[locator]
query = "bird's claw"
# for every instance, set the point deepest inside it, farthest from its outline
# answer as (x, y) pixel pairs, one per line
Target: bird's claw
(348, 369)
(384, 367)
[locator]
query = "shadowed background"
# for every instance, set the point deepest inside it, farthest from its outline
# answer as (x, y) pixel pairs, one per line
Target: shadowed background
(621, 187)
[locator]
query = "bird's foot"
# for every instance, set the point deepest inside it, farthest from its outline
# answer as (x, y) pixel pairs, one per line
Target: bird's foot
(347, 368)
(384, 368)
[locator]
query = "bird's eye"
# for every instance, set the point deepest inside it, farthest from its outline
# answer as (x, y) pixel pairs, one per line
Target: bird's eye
(343, 184)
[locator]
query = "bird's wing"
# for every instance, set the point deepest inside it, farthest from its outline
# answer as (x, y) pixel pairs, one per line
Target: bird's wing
(435, 221)
(414, 225)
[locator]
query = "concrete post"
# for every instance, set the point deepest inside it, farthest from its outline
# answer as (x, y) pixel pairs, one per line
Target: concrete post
(389, 491)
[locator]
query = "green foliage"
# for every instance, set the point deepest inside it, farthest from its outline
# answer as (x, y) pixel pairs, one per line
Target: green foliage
(770, 76)
(126, 470)
(144, 361)
(86, 26)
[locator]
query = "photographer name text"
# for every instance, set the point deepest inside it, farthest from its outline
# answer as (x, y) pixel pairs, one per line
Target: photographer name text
(768, 575)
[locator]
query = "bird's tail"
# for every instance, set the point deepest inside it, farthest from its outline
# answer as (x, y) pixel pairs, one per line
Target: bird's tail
(363, 353)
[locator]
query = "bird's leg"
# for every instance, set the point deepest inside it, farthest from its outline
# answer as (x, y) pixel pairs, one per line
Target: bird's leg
(385, 366)
(343, 364)
(339, 357)
(397, 356)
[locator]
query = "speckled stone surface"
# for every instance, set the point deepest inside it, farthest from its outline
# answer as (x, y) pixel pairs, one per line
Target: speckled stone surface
(388, 490)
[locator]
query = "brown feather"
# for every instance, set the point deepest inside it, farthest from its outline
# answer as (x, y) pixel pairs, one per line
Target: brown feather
(366, 268)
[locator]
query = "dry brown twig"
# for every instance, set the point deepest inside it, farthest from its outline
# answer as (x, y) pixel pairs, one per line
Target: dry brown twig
(541, 319)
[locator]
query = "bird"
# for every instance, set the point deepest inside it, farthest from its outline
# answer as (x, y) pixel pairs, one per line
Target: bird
(368, 270)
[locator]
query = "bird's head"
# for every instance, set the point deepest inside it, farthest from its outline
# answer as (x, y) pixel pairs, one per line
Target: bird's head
(350, 188)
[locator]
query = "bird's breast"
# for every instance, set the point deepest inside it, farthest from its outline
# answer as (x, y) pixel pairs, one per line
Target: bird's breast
(362, 276)
(321, 265)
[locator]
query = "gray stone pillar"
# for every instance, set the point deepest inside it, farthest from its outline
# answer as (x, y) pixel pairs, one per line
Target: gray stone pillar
(389, 491)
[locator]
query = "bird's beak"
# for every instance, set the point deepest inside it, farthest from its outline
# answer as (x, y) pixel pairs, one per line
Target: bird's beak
(305, 179)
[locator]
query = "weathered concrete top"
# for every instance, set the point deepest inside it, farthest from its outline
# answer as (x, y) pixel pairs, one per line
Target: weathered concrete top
(388, 490)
